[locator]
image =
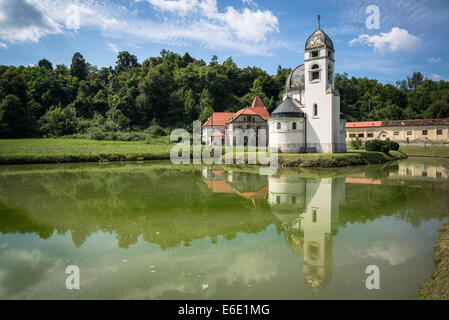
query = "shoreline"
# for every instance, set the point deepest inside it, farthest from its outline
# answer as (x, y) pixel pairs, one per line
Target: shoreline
(437, 287)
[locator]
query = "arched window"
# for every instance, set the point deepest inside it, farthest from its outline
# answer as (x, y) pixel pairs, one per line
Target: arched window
(294, 126)
(278, 126)
(315, 110)
(315, 66)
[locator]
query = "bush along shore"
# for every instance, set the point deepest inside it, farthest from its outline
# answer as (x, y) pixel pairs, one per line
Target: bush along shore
(437, 288)
(39, 151)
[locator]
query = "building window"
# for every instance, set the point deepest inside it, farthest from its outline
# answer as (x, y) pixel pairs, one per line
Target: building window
(315, 54)
(396, 133)
(361, 135)
(424, 174)
(294, 126)
(439, 132)
(425, 132)
(314, 215)
(329, 76)
(352, 135)
(315, 110)
(439, 174)
(329, 54)
(278, 199)
(370, 135)
(278, 126)
(315, 75)
(293, 200)
(409, 133)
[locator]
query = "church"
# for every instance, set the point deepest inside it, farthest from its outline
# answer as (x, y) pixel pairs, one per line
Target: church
(309, 118)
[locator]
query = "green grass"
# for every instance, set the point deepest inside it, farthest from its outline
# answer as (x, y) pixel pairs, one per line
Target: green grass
(21, 151)
(35, 151)
(437, 288)
(431, 151)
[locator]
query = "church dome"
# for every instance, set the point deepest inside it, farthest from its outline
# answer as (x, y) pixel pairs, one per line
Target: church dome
(319, 39)
(295, 80)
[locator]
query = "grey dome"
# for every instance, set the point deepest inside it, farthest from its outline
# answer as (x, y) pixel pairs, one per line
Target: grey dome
(287, 109)
(319, 39)
(295, 80)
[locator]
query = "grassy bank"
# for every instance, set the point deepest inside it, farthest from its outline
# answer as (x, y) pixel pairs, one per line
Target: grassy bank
(437, 288)
(432, 151)
(28, 151)
(35, 151)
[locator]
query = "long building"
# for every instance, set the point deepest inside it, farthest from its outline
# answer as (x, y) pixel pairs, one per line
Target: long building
(403, 131)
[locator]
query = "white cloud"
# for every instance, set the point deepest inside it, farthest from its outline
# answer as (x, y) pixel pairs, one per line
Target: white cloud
(113, 47)
(3, 45)
(181, 7)
(396, 40)
(433, 60)
(245, 30)
(250, 2)
(435, 77)
(24, 20)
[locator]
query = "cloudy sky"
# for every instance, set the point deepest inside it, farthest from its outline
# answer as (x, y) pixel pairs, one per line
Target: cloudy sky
(411, 36)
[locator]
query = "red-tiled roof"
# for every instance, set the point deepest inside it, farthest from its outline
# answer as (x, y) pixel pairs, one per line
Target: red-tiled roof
(398, 123)
(364, 124)
(221, 118)
(218, 119)
(218, 134)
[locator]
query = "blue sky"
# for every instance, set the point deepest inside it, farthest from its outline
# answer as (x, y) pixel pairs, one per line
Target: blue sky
(412, 35)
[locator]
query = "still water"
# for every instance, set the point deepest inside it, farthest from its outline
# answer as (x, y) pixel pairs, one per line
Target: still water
(158, 231)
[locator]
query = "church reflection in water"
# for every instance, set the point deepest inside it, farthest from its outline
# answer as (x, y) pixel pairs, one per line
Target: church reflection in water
(308, 210)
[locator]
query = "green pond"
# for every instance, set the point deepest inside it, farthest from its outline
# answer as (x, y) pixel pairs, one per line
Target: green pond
(153, 230)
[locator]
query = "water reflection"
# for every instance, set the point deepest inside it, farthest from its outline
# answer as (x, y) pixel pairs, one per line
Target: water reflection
(309, 211)
(202, 209)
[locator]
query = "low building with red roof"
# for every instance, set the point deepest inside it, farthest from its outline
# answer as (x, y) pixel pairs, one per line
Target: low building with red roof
(401, 131)
(220, 126)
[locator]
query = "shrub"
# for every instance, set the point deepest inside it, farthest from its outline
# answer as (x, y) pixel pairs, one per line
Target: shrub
(382, 146)
(59, 122)
(392, 145)
(373, 145)
(357, 144)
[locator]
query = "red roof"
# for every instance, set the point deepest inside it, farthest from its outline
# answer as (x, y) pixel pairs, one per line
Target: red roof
(364, 124)
(218, 119)
(398, 123)
(221, 118)
(218, 134)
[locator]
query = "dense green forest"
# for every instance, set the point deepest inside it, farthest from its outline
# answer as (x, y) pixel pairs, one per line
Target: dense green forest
(133, 100)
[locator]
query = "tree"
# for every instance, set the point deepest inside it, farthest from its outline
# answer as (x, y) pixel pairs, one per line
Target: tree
(206, 103)
(60, 122)
(16, 121)
(78, 67)
(44, 63)
(125, 60)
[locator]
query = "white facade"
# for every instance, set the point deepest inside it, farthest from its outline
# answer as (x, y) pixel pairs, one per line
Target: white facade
(312, 102)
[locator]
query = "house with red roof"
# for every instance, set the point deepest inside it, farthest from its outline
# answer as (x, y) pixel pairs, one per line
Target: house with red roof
(220, 126)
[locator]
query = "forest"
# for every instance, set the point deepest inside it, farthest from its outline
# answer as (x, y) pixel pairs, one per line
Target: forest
(132, 100)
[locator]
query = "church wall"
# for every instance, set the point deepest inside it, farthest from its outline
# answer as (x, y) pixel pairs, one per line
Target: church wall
(286, 140)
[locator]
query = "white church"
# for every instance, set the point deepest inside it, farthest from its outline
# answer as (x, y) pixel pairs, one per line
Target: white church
(309, 118)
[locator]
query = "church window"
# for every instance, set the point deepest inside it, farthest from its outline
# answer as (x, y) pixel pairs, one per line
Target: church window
(278, 126)
(315, 66)
(294, 126)
(314, 54)
(315, 75)
(329, 76)
(315, 110)
(329, 53)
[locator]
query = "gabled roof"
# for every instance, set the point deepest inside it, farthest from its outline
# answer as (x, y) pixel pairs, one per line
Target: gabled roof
(222, 118)
(218, 119)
